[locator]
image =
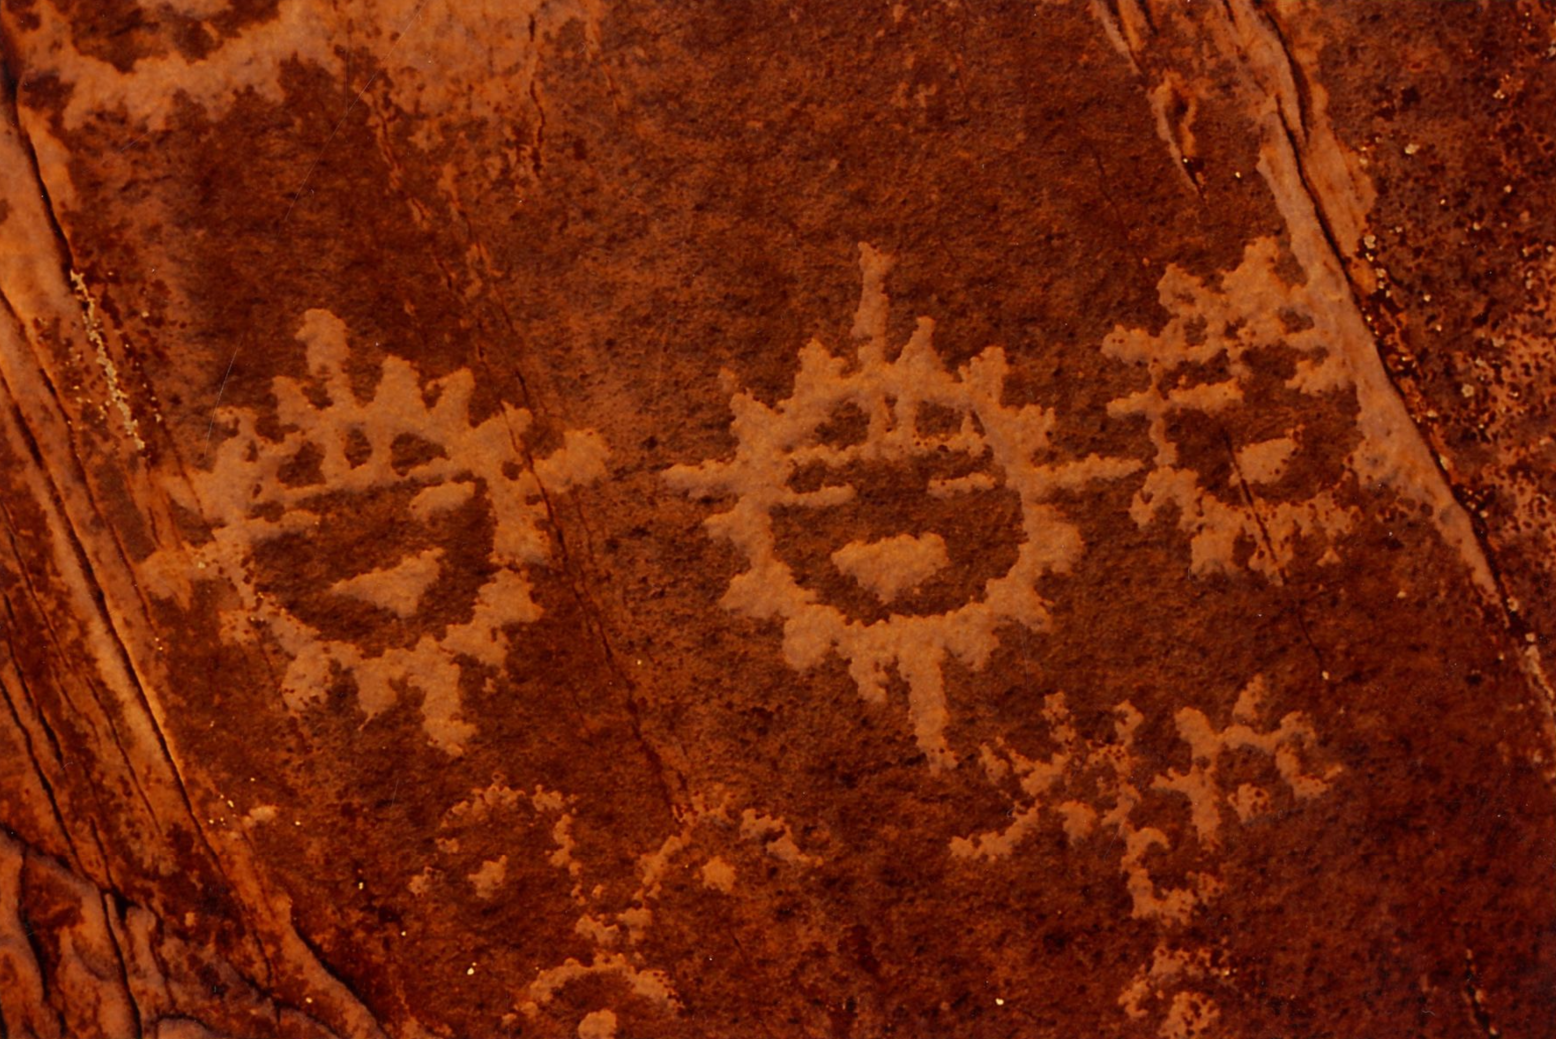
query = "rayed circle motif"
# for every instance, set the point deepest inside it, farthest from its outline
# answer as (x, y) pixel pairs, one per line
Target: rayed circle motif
(775, 441)
(352, 445)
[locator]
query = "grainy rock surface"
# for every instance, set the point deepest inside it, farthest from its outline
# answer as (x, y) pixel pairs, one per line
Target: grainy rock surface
(707, 519)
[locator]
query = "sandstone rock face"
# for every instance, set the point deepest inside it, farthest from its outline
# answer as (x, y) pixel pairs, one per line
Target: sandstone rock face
(705, 519)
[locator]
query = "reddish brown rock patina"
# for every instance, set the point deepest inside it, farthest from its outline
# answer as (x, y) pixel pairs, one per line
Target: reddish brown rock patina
(705, 519)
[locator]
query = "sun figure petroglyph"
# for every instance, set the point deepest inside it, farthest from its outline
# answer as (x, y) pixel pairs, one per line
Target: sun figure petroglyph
(1203, 362)
(1005, 447)
(415, 447)
(501, 842)
(1106, 789)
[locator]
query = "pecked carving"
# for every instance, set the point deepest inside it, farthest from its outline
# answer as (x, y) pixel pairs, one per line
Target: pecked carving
(1207, 360)
(900, 401)
(1109, 790)
(408, 459)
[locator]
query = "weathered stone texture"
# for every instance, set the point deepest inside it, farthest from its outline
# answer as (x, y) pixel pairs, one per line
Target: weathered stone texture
(585, 518)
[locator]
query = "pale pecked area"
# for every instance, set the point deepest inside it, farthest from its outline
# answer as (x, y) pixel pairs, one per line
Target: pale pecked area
(668, 520)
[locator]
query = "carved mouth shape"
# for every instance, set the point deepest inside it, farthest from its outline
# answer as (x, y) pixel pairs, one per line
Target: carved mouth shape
(889, 566)
(398, 589)
(380, 569)
(913, 536)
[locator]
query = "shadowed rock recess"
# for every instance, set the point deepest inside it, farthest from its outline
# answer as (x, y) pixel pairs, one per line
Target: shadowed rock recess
(642, 519)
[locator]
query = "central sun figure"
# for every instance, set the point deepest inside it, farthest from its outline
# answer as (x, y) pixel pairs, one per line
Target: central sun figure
(898, 440)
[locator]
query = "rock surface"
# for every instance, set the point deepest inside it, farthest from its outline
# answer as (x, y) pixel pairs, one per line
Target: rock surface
(577, 518)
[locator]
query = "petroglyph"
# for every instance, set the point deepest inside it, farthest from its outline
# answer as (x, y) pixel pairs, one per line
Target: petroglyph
(1185, 1013)
(1104, 789)
(505, 822)
(487, 58)
(1202, 362)
(1122, 777)
(424, 462)
(1008, 446)
(1324, 196)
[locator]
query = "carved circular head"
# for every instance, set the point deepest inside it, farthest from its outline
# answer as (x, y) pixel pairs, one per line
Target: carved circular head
(901, 510)
(386, 538)
(936, 435)
(1245, 501)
